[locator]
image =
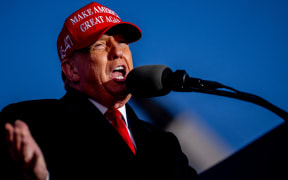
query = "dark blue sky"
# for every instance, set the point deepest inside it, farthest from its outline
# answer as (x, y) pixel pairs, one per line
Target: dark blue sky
(242, 44)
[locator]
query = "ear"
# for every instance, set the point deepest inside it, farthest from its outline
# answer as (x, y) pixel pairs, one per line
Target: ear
(69, 70)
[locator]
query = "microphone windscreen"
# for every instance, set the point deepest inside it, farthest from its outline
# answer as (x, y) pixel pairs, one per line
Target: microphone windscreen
(149, 81)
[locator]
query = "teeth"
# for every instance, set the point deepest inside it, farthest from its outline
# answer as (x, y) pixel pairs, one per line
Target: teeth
(119, 68)
(120, 77)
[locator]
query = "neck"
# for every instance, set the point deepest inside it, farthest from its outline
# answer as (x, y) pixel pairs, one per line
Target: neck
(107, 100)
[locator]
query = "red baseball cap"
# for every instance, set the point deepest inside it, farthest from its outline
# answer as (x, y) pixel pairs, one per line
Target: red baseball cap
(88, 24)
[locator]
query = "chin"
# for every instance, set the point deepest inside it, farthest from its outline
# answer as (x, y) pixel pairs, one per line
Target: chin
(122, 100)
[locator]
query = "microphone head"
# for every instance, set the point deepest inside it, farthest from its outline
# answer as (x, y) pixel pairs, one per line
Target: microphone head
(149, 81)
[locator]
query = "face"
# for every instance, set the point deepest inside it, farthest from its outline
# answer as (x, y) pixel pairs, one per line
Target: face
(103, 69)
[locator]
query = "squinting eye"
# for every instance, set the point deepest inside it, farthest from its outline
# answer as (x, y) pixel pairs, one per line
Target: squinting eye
(100, 45)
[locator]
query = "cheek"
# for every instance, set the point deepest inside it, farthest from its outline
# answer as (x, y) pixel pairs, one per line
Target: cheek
(93, 72)
(98, 61)
(129, 59)
(130, 64)
(87, 72)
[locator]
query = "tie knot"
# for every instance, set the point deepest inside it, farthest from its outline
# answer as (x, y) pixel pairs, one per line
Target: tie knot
(113, 115)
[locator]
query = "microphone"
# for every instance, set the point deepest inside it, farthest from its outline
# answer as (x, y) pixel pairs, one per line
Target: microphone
(159, 80)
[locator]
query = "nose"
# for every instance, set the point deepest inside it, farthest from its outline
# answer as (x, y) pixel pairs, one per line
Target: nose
(115, 50)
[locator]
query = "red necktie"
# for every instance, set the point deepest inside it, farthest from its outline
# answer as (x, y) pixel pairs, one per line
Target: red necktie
(115, 117)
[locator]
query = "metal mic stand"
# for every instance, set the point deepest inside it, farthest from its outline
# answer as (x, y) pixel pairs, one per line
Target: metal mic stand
(183, 83)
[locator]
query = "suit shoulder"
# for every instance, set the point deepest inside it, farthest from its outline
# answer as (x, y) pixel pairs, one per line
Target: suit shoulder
(24, 105)
(24, 108)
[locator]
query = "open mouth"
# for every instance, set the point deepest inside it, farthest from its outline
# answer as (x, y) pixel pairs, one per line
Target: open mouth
(119, 73)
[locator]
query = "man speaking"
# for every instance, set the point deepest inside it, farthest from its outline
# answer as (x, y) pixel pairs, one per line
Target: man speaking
(91, 132)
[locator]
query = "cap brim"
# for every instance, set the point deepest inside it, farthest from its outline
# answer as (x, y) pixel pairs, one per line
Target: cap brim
(130, 32)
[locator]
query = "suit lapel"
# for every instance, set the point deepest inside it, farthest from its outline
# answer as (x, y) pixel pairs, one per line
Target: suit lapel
(92, 123)
(141, 133)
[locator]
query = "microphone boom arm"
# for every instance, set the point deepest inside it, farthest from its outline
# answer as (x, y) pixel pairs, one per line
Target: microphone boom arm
(183, 83)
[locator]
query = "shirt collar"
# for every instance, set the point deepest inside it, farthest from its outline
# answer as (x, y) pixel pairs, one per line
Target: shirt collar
(103, 109)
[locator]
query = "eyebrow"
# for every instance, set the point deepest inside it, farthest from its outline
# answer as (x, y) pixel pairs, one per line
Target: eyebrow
(101, 38)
